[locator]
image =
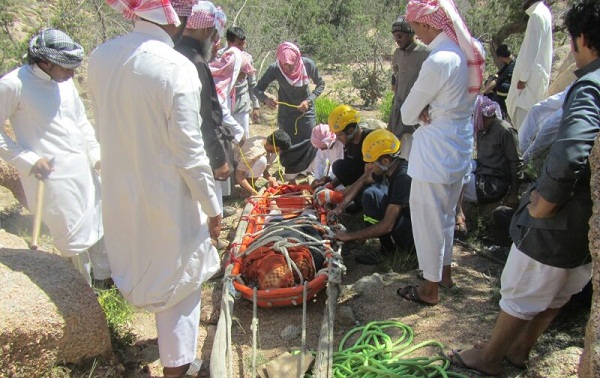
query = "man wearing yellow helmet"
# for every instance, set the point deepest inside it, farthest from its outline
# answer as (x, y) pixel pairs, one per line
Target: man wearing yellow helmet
(343, 121)
(385, 205)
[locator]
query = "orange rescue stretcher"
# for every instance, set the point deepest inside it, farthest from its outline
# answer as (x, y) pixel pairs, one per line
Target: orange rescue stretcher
(282, 243)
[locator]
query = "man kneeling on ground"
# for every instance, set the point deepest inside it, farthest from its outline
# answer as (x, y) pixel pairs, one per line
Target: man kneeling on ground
(385, 204)
(254, 158)
(497, 172)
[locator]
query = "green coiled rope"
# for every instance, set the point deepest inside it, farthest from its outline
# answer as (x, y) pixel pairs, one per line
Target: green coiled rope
(375, 354)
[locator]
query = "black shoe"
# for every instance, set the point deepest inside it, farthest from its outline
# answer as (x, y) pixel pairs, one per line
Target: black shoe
(369, 259)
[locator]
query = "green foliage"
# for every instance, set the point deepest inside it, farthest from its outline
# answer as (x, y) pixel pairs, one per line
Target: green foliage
(371, 80)
(323, 107)
(385, 109)
(118, 316)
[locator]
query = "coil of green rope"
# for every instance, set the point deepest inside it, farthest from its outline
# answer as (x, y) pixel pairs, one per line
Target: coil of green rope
(378, 353)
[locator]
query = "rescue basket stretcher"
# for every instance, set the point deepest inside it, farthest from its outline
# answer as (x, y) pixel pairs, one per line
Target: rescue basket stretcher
(282, 242)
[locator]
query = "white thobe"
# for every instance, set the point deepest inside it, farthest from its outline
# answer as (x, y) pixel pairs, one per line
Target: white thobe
(325, 158)
(158, 186)
(49, 120)
(441, 149)
(540, 127)
(534, 62)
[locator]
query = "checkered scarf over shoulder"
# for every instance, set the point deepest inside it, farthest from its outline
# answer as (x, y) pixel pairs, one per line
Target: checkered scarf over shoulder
(161, 12)
(56, 47)
(443, 15)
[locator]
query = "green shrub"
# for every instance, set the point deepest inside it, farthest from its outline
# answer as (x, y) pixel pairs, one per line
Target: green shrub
(323, 106)
(118, 316)
(386, 106)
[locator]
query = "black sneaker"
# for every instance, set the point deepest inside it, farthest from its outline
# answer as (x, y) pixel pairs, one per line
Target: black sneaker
(369, 259)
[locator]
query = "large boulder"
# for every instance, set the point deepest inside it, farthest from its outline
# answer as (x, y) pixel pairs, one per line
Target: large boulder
(49, 314)
(562, 70)
(590, 359)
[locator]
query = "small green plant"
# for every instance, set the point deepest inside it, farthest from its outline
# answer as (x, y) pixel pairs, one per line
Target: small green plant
(386, 106)
(323, 106)
(118, 316)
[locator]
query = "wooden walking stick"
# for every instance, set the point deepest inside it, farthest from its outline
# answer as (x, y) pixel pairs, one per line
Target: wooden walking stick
(37, 216)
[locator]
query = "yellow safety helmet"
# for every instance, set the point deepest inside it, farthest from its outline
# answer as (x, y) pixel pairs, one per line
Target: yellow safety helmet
(378, 143)
(342, 116)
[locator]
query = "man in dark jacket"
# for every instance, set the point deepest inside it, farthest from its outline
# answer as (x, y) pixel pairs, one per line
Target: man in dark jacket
(550, 258)
(497, 86)
(195, 44)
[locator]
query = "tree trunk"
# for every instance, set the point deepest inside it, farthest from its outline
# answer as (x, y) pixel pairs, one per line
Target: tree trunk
(590, 359)
(502, 34)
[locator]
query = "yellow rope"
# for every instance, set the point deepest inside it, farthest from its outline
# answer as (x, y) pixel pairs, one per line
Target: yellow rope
(293, 106)
(279, 170)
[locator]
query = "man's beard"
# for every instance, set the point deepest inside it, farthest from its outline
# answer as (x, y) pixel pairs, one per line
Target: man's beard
(206, 49)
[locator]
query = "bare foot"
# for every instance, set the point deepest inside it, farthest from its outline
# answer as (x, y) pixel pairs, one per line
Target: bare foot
(519, 362)
(472, 359)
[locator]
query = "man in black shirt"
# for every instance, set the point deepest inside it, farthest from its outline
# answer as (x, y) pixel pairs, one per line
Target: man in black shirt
(385, 205)
(497, 86)
(343, 121)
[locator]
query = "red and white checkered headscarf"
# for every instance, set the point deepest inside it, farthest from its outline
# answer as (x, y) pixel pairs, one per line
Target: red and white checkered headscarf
(183, 8)
(225, 71)
(288, 53)
(484, 107)
(247, 67)
(158, 11)
(322, 137)
(206, 15)
(443, 15)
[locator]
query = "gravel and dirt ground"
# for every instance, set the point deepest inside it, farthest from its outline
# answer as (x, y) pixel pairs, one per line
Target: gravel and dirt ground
(465, 314)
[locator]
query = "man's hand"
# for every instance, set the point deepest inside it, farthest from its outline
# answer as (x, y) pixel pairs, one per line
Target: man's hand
(424, 116)
(304, 105)
(222, 173)
(270, 102)
(316, 183)
(343, 236)
(42, 168)
(539, 207)
(521, 84)
(255, 115)
(214, 226)
(336, 211)
(273, 182)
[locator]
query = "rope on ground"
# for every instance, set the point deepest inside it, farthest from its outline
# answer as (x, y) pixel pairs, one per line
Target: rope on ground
(304, 295)
(375, 354)
(254, 330)
(479, 251)
(324, 360)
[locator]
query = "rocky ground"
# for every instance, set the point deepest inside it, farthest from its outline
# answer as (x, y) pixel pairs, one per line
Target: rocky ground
(465, 314)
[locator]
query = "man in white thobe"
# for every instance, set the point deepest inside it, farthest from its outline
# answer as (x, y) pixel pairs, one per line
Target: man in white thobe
(441, 101)
(531, 76)
(158, 184)
(56, 143)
